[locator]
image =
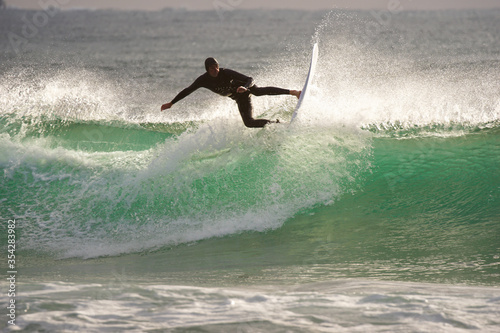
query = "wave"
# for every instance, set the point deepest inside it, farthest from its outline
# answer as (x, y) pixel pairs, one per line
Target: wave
(215, 181)
(92, 174)
(210, 181)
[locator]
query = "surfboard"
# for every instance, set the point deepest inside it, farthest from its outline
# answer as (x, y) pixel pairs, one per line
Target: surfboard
(310, 74)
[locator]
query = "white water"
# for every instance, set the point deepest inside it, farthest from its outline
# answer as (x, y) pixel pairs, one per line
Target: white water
(337, 306)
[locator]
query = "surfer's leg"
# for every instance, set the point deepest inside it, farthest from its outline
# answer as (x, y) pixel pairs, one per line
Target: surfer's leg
(245, 106)
(258, 91)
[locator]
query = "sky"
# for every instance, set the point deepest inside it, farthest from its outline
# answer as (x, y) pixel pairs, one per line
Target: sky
(266, 4)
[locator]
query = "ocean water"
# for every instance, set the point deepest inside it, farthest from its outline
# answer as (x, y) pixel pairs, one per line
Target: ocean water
(378, 210)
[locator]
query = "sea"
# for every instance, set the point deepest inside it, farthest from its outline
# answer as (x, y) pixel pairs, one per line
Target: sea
(376, 210)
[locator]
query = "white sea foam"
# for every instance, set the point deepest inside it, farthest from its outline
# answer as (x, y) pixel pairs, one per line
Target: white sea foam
(336, 306)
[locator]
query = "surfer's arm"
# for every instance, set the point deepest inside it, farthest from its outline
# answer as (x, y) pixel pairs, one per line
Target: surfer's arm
(184, 93)
(249, 83)
(246, 81)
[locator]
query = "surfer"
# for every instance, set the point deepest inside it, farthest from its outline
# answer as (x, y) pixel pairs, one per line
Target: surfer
(237, 86)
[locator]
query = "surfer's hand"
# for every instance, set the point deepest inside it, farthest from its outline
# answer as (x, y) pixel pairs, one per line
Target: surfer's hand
(241, 90)
(166, 106)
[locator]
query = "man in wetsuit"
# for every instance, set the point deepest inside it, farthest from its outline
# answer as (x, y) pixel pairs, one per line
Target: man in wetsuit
(237, 86)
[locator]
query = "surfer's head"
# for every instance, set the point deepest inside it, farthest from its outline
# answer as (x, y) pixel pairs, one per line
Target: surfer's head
(212, 66)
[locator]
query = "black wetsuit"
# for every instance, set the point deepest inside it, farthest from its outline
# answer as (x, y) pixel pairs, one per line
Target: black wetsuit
(226, 83)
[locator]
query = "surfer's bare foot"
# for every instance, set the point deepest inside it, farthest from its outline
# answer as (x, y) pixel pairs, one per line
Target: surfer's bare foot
(295, 93)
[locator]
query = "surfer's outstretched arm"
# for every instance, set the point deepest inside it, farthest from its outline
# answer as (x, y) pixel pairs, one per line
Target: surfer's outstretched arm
(184, 93)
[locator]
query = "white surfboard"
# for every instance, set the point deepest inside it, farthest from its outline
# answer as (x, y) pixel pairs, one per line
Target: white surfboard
(305, 90)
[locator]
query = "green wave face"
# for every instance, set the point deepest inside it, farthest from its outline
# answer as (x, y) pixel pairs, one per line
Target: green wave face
(90, 189)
